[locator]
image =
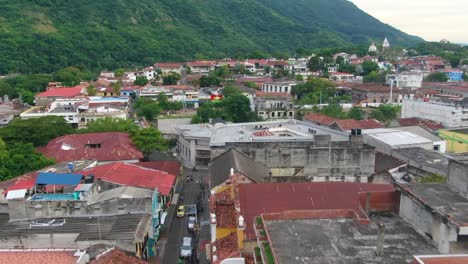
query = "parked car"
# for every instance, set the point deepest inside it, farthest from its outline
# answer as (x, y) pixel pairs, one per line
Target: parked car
(186, 248)
(192, 220)
(181, 211)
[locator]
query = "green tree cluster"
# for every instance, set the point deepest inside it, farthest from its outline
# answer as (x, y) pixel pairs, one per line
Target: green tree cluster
(234, 108)
(19, 139)
(141, 80)
(437, 77)
(385, 112)
(171, 79)
(316, 91)
(71, 76)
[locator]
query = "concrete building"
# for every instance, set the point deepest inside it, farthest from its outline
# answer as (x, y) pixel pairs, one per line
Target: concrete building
(278, 87)
(80, 111)
(386, 140)
(271, 106)
(293, 239)
(375, 95)
(292, 150)
(420, 163)
(450, 114)
(341, 77)
(457, 139)
(411, 79)
(439, 210)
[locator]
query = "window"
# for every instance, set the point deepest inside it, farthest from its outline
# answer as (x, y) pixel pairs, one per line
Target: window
(290, 113)
(272, 114)
(286, 89)
(375, 101)
(93, 145)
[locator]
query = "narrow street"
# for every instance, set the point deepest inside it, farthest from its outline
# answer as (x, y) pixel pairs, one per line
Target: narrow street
(178, 228)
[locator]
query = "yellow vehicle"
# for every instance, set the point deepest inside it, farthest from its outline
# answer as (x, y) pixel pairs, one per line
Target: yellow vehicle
(181, 211)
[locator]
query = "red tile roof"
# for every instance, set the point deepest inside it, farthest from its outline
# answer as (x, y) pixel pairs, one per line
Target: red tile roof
(38, 257)
(117, 256)
(66, 92)
(168, 65)
(260, 198)
(228, 248)
(442, 259)
(21, 181)
(224, 209)
(201, 63)
(320, 119)
(114, 146)
(348, 124)
(128, 174)
(169, 166)
(414, 121)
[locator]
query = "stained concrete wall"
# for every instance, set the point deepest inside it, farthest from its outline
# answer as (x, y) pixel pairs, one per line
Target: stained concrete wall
(428, 224)
(320, 158)
(21, 209)
(458, 176)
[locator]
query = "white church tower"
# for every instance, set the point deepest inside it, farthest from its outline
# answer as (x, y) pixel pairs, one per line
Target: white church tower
(372, 48)
(386, 44)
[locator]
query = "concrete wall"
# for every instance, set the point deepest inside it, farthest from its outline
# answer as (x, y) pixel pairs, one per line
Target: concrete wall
(428, 224)
(458, 176)
(321, 158)
(49, 240)
(450, 116)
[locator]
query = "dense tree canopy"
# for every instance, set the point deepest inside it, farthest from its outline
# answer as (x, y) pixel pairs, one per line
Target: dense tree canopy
(385, 112)
(437, 77)
(234, 108)
(149, 140)
(37, 131)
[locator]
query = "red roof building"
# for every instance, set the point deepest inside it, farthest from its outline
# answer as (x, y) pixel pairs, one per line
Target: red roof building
(262, 198)
(426, 124)
(320, 119)
(346, 125)
(132, 175)
(103, 147)
(117, 256)
(38, 257)
(169, 166)
(64, 92)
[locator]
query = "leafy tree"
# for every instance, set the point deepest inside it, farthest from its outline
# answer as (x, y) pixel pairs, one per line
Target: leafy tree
(252, 85)
(141, 80)
(4, 161)
(437, 77)
(109, 124)
(465, 76)
(7, 89)
(369, 66)
(231, 90)
(118, 86)
(314, 90)
(385, 112)
(71, 76)
(334, 110)
(119, 72)
(356, 113)
(375, 77)
(315, 63)
(91, 90)
(38, 131)
(212, 80)
(149, 140)
(27, 96)
(171, 79)
(349, 68)
(340, 60)
(234, 108)
(24, 158)
(150, 111)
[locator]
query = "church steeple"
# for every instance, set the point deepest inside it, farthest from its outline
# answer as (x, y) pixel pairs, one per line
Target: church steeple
(386, 44)
(373, 48)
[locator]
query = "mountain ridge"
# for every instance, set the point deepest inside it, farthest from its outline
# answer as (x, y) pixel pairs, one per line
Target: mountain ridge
(45, 35)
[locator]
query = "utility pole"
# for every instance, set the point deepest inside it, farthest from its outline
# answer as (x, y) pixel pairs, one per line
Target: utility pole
(391, 91)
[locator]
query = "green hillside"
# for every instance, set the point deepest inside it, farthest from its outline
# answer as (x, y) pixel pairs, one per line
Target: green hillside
(46, 35)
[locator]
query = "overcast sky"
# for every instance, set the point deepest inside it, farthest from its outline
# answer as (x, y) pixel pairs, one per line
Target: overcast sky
(432, 20)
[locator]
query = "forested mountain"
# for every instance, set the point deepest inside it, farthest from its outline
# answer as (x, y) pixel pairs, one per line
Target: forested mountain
(46, 35)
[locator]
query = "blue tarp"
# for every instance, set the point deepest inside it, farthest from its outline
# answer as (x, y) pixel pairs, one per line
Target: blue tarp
(58, 178)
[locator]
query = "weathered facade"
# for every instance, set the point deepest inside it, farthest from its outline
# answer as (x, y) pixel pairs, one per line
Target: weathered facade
(319, 160)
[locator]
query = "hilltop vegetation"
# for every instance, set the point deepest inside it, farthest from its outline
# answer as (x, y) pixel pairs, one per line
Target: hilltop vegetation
(42, 36)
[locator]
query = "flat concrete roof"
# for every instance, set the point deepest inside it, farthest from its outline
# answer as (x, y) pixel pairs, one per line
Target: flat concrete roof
(395, 137)
(281, 130)
(343, 241)
(418, 157)
(441, 198)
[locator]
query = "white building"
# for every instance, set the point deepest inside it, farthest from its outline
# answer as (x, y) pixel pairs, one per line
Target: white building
(412, 79)
(447, 113)
(386, 44)
(278, 87)
(78, 112)
(386, 140)
(372, 48)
